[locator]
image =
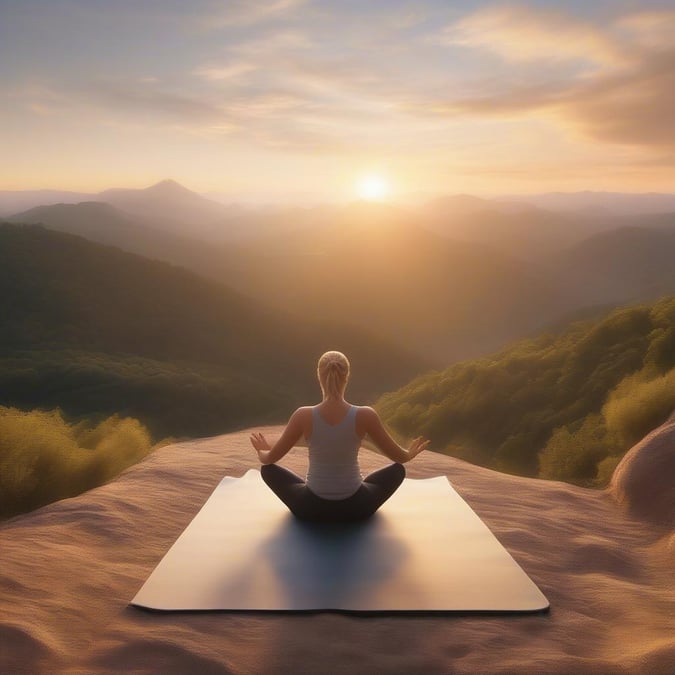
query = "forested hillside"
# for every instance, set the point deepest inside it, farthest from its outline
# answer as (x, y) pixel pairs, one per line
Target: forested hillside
(94, 330)
(564, 406)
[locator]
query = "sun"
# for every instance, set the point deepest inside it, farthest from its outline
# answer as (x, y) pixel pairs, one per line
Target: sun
(373, 187)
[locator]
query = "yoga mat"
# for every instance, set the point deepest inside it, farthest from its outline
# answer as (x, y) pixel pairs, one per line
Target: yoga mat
(425, 550)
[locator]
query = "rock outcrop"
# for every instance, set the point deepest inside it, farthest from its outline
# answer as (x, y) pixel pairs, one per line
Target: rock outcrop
(644, 480)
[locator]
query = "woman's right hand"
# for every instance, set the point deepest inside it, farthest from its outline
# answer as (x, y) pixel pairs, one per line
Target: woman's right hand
(262, 447)
(416, 446)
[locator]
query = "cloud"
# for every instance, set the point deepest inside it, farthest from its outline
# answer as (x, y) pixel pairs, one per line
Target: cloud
(270, 44)
(626, 98)
(230, 71)
(633, 107)
(245, 12)
(519, 33)
(40, 109)
(271, 117)
(500, 100)
(651, 29)
(161, 104)
(610, 84)
(382, 81)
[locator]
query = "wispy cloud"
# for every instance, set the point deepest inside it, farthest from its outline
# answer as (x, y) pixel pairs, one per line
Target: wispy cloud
(612, 84)
(246, 12)
(653, 30)
(443, 82)
(627, 98)
(227, 71)
(160, 104)
(634, 106)
(520, 33)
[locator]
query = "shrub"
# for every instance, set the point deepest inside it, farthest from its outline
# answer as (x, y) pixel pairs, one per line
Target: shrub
(573, 455)
(638, 405)
(44, 458)
(606, 470)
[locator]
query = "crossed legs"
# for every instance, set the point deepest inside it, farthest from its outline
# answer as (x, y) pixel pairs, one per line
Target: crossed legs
(375, 489)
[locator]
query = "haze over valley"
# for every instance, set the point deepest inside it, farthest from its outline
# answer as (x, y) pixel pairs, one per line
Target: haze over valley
(473, 272)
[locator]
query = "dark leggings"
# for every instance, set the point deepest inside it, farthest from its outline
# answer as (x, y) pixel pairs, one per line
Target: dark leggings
(375, 489)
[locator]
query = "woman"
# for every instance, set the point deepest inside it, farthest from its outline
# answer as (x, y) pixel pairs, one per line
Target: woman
(334, 490)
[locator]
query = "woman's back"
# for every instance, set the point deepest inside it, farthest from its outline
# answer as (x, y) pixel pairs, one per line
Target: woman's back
(334, 471)
(334, 490)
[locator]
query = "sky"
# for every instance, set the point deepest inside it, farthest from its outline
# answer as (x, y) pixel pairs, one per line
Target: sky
(298, 100)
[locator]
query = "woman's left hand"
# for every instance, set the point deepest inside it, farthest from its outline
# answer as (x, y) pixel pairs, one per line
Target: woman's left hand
(262, 447)
(418, 445)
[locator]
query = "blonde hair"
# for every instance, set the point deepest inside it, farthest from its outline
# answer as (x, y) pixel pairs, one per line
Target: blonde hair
(333, 372)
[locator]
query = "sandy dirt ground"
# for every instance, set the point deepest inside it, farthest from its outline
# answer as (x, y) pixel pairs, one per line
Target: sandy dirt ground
(69, 570)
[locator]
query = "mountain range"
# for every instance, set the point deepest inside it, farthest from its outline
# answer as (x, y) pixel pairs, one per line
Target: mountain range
(617, 203)
(455, 278)
(93, 329)
(589, 202)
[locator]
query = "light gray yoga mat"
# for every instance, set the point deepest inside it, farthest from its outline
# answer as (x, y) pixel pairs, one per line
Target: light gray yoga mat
(424, 550)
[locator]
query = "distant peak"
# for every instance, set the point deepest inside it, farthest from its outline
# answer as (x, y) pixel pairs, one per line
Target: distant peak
(168, 185)
(167, 182)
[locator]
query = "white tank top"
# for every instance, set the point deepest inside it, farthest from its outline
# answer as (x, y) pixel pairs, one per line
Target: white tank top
(334, 471)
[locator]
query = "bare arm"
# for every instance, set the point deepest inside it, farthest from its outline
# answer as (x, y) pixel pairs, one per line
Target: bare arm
(380, 436)
(290, 436)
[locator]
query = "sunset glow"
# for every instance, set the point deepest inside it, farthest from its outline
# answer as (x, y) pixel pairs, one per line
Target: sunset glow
(280, 101)
(373, 188)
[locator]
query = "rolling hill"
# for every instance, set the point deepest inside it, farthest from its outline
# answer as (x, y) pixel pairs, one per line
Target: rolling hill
(166, 206)
(15, 201)
(618, 203)
(628, 264)
(367, 265)
(174, 208)
(458, 278)
(521, 230)
(105, 224)
(557, 406)
(94, 329)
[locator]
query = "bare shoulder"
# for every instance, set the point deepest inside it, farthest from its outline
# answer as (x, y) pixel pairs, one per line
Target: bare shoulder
(365, 411)
(304, 410)
(302, 420)
(302, 414)
(366, 417)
